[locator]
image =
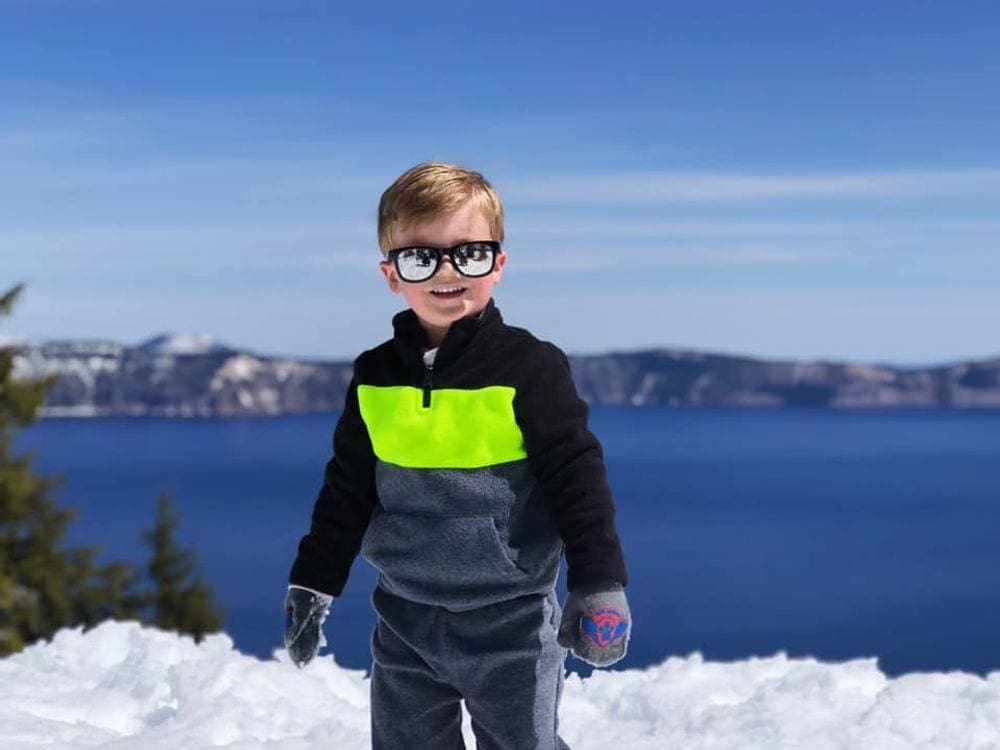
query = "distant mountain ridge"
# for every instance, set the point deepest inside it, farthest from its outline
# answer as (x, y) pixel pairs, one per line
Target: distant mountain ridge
(182, 375)
(183, 343)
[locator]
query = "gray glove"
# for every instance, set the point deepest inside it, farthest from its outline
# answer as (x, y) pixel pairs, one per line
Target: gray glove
(596, 624)
(305, 611)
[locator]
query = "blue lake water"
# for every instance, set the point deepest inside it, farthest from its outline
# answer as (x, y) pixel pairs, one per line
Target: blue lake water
(835, 534)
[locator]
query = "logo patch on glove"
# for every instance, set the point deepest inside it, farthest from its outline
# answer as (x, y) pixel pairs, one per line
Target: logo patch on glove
(604, 626)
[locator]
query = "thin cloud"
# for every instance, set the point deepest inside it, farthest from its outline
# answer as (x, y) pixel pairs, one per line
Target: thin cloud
(267, 172)
(246, 246)
(728, 227)
(544, 251)
(578, 260)
(100, 151)
(615, 189)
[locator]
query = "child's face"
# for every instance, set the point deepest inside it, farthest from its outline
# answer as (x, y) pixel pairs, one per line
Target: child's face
(446, 296)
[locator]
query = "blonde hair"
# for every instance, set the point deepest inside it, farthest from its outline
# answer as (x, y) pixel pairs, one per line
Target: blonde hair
(433, 188)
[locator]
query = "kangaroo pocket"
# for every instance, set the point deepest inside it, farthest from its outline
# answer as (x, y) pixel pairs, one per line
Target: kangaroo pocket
(439, 559)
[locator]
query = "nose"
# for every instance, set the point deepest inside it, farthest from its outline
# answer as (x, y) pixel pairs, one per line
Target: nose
(452, 271)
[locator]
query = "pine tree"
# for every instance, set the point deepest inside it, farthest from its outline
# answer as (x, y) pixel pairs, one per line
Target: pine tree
(44, 585)
(181, 600)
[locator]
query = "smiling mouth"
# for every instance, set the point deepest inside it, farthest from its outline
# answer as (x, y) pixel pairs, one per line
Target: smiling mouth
(448, 292)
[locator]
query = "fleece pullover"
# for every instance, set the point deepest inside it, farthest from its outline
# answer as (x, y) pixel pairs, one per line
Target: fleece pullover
(463, 482)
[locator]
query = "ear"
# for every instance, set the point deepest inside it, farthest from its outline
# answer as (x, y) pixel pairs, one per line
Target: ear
(389, 271)
(498, 265)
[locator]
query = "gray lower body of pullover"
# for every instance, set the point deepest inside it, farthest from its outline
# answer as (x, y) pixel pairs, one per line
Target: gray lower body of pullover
(462, 538)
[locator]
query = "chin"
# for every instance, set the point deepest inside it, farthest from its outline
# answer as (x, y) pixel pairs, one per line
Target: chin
(447, 320)
(450, 315)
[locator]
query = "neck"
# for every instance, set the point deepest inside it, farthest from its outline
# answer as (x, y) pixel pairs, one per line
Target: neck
(434, 334)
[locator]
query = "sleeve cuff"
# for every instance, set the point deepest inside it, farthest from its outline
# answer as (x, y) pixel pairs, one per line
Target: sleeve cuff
(322, 595)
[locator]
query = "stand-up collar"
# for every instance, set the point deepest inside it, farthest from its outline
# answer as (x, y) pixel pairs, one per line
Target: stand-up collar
(410, 338)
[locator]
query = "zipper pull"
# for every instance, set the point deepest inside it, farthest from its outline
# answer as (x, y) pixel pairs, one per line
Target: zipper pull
(428, 372)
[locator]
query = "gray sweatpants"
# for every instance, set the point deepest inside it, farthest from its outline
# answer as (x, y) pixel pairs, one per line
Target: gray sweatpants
(503, 659)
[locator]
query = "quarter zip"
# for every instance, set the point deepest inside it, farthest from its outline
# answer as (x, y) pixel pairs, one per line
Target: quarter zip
(428, 373)
(427, 359)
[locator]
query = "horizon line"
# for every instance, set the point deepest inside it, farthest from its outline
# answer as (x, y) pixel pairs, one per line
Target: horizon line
(15, 341)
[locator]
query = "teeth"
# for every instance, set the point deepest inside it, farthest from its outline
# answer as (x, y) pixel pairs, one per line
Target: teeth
(447, 289)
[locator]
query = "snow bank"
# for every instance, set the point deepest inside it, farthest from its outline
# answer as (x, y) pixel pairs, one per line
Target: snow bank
(123, 686)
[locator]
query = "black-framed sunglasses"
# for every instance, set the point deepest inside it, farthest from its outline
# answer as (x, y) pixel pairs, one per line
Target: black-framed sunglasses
(471, 259)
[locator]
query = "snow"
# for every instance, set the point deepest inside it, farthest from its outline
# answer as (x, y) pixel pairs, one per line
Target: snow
(182, 343)
(239, 367)
(80, 411)
(124, 686)
(7, 341)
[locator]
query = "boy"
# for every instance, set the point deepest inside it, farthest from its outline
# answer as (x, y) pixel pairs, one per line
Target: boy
(462, 468)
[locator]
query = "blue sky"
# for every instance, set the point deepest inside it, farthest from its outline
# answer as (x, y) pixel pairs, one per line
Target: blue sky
(809, 180)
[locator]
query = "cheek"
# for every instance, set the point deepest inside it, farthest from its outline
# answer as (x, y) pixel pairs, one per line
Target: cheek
(484, 289)
(494, 278)
(412, 293)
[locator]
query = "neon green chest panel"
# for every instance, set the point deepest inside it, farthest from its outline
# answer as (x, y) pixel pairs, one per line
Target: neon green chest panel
(461, 429)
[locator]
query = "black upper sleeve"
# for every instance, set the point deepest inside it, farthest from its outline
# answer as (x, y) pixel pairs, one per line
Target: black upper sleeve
(343, 508)
(568, 462)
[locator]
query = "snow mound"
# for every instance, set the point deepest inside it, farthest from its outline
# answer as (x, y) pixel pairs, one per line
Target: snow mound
(10, 341)
(122, 686)
(183, 344)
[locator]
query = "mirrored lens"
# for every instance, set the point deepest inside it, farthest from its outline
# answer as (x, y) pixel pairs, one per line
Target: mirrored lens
(416, 263)
(474, 258)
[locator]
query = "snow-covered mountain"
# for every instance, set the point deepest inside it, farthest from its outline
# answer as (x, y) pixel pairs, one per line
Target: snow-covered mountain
(121, 687)
(183, 343)
(194, 375)
(179, 375)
